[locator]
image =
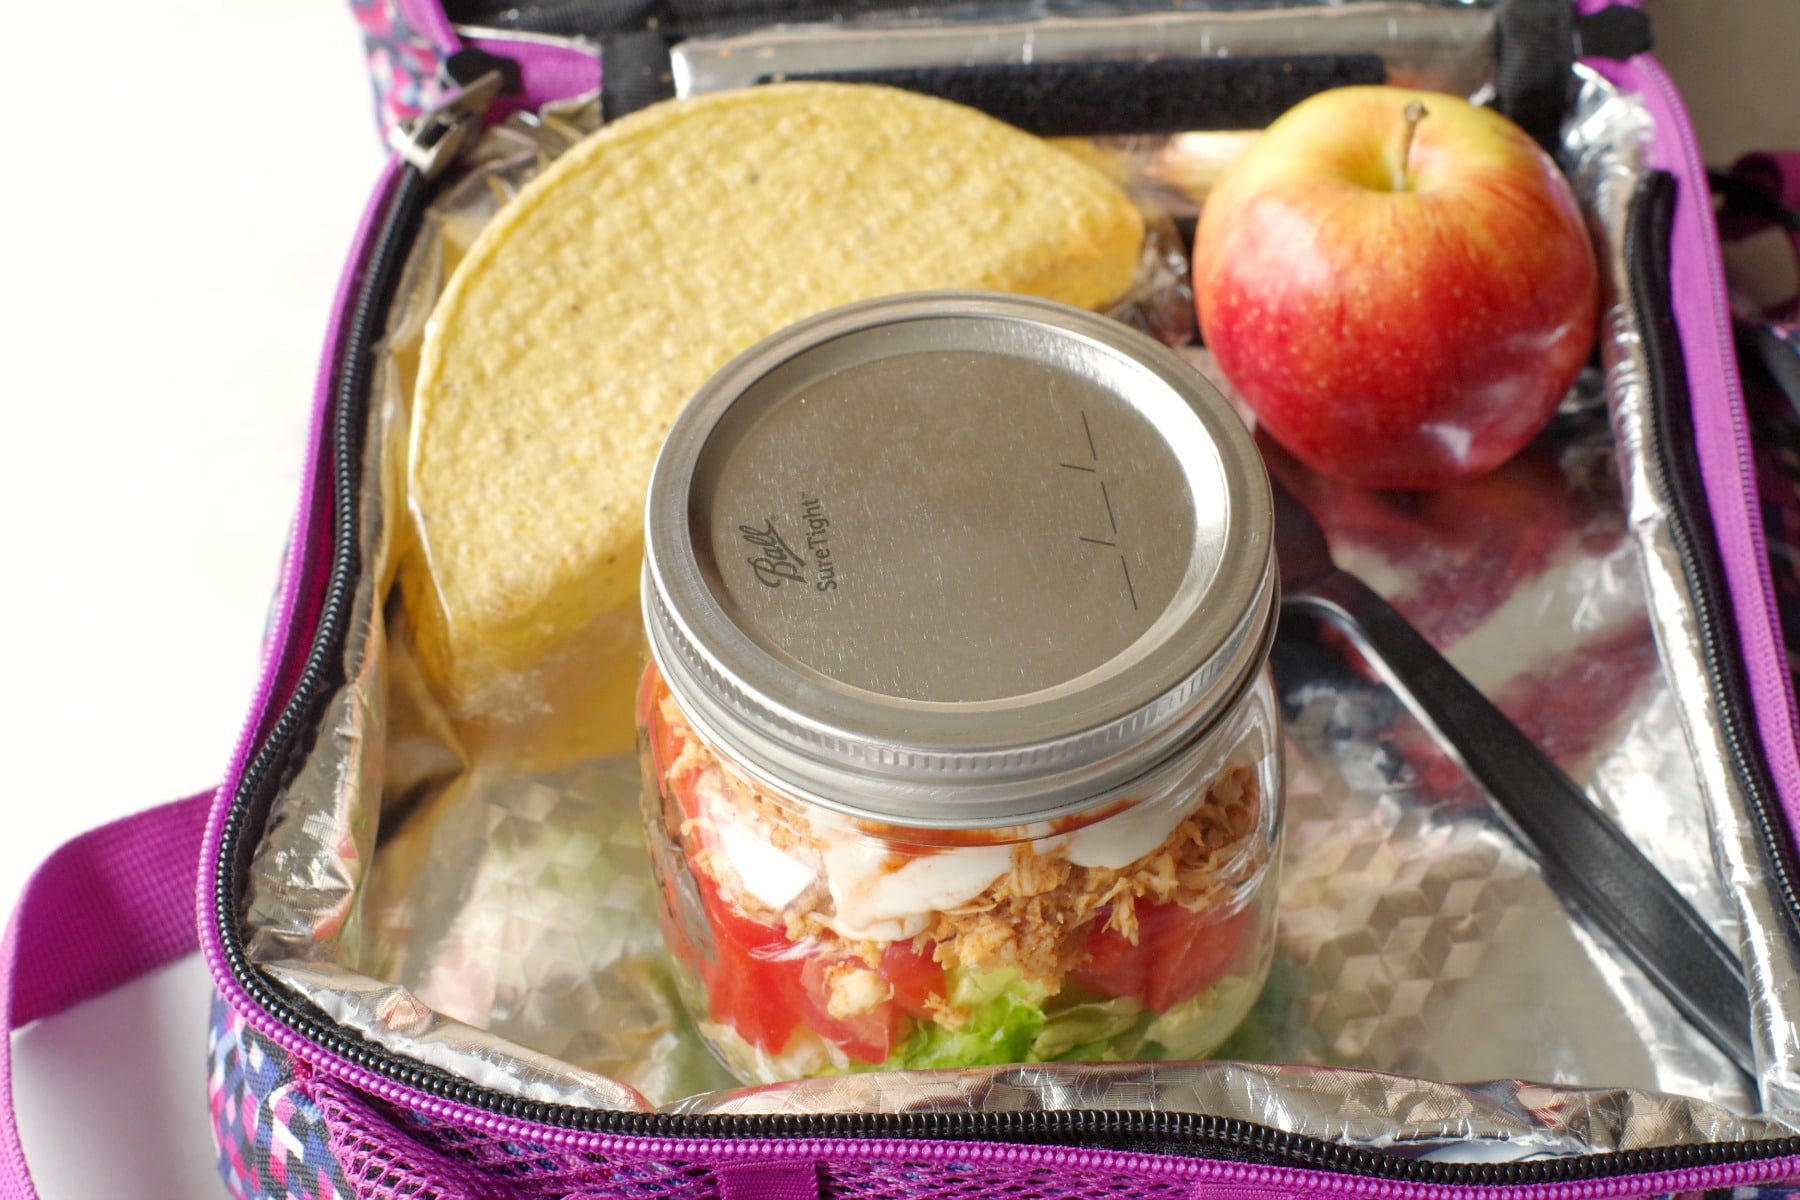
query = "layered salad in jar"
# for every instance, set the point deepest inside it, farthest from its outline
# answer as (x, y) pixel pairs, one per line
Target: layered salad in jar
(808, 943)
(959, 743)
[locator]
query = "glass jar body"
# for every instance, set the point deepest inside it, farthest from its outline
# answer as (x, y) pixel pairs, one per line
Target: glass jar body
(810, 942)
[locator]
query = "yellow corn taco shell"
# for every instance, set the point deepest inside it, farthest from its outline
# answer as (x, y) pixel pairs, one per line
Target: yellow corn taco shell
(604, 294)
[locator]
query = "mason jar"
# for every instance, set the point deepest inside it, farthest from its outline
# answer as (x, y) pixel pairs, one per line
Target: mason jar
(958, 739)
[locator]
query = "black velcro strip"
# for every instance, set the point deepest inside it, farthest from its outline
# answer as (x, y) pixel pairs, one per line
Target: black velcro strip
(1090, 99)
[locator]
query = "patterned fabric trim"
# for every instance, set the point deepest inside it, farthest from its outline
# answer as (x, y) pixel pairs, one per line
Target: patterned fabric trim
(271, 1136)
(393, 1155)
(286, 1133)
(403, 64)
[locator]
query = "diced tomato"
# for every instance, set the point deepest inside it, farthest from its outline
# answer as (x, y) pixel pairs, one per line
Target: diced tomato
(766, 986)
(869, 1036)
(915, 978)
(753, 975)
(866, 1036)
(1177, 956)
(758, 981)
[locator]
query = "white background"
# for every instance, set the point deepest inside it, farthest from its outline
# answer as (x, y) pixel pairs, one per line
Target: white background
(181, 180)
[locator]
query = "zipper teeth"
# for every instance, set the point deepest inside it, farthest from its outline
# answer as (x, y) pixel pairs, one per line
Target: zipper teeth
(400, 207)
(1737, 409)
(1722, 667)
(1722, 336)
(433, 1092)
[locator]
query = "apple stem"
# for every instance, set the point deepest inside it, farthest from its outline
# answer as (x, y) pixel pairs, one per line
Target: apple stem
(1415, 112)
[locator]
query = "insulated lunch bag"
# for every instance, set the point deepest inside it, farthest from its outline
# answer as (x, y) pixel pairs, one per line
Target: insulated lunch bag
(432, 973)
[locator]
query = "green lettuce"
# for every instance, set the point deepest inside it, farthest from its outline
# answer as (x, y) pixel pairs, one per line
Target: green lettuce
(1014, 1021)
(1196, 1027)
(1093, 1031)
(1006, 1017)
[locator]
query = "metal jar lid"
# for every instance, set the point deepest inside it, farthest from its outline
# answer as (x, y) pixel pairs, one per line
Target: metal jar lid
(957, 559)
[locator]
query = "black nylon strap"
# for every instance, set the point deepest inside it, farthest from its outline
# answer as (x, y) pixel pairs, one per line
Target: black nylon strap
(634, 73)
(1535, 51)
(1615, 32)
(1090, 99)
(600, 19)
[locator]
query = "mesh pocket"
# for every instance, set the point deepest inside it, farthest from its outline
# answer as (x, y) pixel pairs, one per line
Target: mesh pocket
(393, 1156)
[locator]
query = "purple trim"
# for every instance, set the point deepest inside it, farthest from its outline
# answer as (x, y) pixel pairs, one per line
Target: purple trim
(785, 1166)
(108, 906)
(788, 1161)
(295, 616)
(1721, 428)
(546, 72)
(769, 1181)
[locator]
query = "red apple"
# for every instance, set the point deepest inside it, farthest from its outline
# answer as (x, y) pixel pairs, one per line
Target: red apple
(1398, 283)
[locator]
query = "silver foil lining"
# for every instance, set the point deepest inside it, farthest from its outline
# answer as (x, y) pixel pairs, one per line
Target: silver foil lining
(1446, 47)
(498, 921)
(1770, 956)
(1500, 1121)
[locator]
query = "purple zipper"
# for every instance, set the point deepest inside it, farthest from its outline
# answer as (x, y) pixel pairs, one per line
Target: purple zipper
(308, 545)
(295, 614)
(547, 70)
(1220, 1180)
(1721, 436)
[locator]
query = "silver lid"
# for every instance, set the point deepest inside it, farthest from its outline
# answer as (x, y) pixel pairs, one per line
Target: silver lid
(957, 559)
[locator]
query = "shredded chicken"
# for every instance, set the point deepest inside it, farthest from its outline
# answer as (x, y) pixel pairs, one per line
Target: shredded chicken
(851, 990)
(1035, 917)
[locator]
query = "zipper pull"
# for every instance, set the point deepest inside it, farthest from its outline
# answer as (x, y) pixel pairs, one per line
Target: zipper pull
(431, 141)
